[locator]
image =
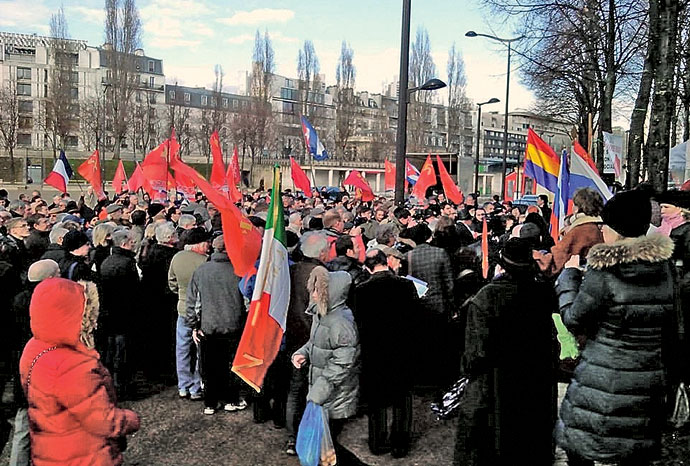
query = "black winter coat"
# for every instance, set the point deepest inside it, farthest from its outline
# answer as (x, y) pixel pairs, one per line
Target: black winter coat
(36, 244)
(614, 407)
(76, 268)
(386, 309)
(298, 325)
(508, 410)
(55, 252)
(681, 251)
(119, 278)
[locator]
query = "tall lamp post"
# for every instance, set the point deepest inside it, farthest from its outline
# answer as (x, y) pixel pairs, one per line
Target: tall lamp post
(505, 124)
(492, 100)
(403, 100)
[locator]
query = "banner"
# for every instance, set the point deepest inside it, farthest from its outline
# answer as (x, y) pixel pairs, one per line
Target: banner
(613, 154)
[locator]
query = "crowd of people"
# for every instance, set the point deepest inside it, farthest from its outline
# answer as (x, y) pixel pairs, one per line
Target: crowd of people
(385, 301)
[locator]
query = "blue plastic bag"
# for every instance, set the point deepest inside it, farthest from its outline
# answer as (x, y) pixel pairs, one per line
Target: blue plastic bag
(314, 443)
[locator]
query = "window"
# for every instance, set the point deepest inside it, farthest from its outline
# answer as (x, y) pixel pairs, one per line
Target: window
(24, 139)
(138, 96)
(172, 95)
(225, 102)
(152, 82)
(214, 101)
(23, 89)
(26, 106)
(23, 73)
(152, 98)
(45, 74)
(204, 100)
(75, 59)
(152, 66)
(235, 103)
(288, 107)
(187, 97)
(71, 141)
(25, 122)
(244, 104)
(75, 77)
(74, 93)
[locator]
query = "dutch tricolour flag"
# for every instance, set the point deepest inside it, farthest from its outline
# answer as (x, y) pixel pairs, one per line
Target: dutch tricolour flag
(314, 145)
(61, 174)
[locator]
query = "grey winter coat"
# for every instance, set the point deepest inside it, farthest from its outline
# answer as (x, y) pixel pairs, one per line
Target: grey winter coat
(614, 407)
(214, 302)
(333, 353)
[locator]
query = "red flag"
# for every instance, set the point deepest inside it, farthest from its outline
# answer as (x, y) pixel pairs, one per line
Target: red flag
(185, 185)
(485, 249)
(90, 170)
(356, 179)
(389, 176)
(299, 178)
(173, 147)
(234, 168)
(217, 180)
(119, 178)
(427, 177)
(579, 150)
(138, 180)
(242, 239)
(453, 194)
(155, 170)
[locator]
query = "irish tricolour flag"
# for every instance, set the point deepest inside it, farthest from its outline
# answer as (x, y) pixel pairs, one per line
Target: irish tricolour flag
(268, 310)
(61, 174)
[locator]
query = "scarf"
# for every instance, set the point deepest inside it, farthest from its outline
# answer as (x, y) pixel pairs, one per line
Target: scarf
(669, 223)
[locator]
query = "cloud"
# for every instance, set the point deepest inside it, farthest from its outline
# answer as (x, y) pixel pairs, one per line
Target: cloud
(171, 42)
(176, 23)
(241, 39)
(258, 16)
(25, 16)
(174, 9)
(90, 15)
(279, 37)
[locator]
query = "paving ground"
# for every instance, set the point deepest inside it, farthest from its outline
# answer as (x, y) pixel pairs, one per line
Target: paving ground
(175, 432)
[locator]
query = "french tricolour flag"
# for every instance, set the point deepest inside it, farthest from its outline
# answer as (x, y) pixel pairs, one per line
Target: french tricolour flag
(314, 145)
(583, 176)
(411, 173)
(61, 174)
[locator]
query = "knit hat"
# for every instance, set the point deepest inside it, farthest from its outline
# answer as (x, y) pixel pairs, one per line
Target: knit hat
(74, 239)
(628, 213)
(517, 254)
(155, 209)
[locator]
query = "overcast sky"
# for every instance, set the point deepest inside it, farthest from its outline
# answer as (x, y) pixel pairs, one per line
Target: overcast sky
(192, 36)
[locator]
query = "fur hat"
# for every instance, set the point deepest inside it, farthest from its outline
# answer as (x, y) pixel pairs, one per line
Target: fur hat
(517, 255)
(74, 239)
(675, 198)
(628, 213)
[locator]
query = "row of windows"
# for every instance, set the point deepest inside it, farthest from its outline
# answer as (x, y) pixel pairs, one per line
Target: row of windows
(205, 100)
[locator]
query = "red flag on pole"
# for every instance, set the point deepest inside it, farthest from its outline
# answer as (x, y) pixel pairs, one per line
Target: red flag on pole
(234, 167)
(427, 177)
(138, 180)
(173, 147)
(356, 179)
(90, 170)
(449, 187)
(155, 170)
(389, 177)
(299, 178)
(217, 179)
(119, 178)
(485, 250)
(232, 178)
(185, 185)
(242, 239)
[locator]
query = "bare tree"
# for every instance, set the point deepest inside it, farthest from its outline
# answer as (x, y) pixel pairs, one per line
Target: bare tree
(122, 37)
(9, 120)
(308, 72)
(422, 68)
(177, 118)
(214, 117)
(346, 102)
(147, 123)
(90, 112)
(59, 114)
(457, 98)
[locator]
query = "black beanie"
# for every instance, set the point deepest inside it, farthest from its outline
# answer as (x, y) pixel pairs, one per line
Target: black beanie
(628, 213)
(74, 239)
(517, 254)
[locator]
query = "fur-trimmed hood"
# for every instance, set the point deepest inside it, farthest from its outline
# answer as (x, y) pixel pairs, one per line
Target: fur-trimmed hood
(331, 287)
(652, 248)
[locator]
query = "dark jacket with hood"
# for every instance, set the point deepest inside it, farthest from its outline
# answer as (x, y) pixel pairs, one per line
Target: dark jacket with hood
(214, 302)
(614, 407)
(333, 350)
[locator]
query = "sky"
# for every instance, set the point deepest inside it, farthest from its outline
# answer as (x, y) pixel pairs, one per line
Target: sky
(192, 36)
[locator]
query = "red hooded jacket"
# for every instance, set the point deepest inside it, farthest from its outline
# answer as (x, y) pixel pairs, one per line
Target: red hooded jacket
(72, 412)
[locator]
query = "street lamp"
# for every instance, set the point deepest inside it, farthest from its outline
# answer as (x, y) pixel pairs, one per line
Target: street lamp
(493, 100)
(505, 124)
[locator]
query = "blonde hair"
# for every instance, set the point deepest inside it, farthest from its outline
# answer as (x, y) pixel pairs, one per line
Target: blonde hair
(101, 233)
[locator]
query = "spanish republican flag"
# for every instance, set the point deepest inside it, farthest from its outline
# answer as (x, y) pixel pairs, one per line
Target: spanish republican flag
(541, 162)
(265, 325)
(90, 170)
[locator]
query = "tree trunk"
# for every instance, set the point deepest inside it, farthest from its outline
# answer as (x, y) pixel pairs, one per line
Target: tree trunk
(12, 167)
(664, 95)
(639, 113)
